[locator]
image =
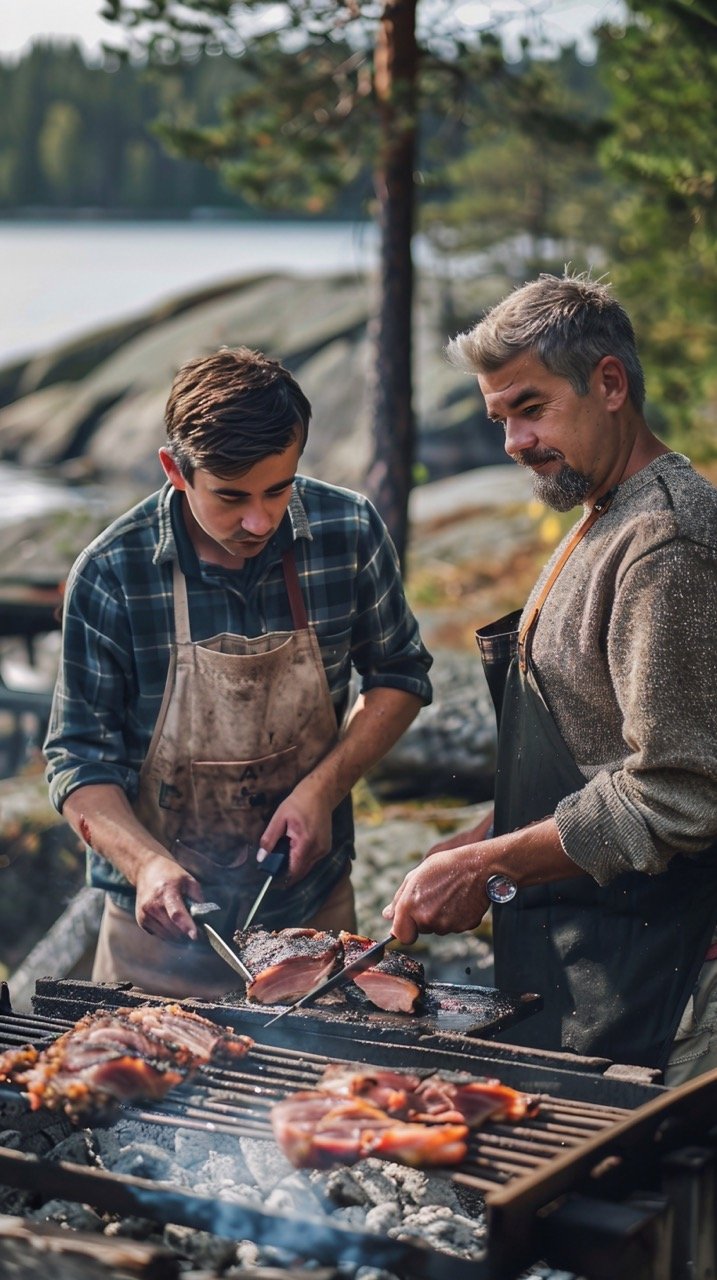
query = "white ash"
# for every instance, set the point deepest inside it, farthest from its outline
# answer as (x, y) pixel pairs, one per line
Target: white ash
(439, 1227)
(295, 1195)
(381, 1218)
(265, 1162)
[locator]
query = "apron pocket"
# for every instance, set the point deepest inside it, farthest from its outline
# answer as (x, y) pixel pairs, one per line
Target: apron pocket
(233, 801)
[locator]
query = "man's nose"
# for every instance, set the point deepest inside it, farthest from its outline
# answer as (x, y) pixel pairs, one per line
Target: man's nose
(519, 435)
(257, 520)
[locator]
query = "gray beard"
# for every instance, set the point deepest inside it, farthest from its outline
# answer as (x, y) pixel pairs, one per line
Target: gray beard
(562, 492)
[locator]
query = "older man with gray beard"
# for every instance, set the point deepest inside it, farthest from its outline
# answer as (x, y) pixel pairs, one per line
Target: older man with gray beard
(605, 811)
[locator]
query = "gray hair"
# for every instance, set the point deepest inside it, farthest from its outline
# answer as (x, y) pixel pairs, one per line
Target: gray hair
(569, 322)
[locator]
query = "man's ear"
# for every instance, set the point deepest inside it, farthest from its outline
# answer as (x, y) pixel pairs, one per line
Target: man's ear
(171, 470)
(613, 382)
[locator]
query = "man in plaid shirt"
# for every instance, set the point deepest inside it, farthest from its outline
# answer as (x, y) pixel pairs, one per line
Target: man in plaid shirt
(209, 639)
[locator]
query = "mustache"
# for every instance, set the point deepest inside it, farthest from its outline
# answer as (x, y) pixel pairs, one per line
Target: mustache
(534, 457)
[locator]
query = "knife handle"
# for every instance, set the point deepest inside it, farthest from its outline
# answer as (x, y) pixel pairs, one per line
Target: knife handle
(276, 862)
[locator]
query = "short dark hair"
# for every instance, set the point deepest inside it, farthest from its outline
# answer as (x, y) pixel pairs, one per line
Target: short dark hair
(228, 410)
(569, 322)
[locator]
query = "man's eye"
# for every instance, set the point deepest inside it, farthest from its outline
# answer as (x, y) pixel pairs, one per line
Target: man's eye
(532, 410)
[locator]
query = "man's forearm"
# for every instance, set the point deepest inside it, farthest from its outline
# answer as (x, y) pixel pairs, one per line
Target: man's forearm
(376, 721)
(103, 817)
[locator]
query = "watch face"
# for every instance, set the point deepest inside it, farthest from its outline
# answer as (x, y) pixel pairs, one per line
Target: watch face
(500, 889)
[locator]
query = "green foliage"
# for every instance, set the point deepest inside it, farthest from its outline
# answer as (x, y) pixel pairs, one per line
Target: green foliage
(528, 170)
(661, 70)
(74, 135)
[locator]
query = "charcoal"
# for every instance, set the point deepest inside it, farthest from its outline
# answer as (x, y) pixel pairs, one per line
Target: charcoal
(437, 1226)
(80, 1217)
(200, 1247)
(382, 1217)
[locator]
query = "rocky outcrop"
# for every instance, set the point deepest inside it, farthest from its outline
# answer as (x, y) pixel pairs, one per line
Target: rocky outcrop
(96, 409)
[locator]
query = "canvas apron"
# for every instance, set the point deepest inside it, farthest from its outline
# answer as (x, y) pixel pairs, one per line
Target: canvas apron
(242, 721)
(615, 965)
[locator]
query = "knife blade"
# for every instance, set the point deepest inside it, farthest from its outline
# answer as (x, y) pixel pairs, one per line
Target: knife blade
(198, 910)
(275, 864)
(373, 955)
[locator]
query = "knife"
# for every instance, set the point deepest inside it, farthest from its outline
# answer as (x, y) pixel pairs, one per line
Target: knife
(200, 909)
(275, 864)
(373, 955)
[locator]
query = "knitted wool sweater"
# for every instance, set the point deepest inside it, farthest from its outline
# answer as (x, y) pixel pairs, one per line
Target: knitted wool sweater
(625, 653)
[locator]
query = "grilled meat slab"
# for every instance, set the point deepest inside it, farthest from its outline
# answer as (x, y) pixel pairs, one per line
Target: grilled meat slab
(435, 1099)
(391, 1114)
(116, 1056)
(318, 1131)
(396, 984)
(288, 963)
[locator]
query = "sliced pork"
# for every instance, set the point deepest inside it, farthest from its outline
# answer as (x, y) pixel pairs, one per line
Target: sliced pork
(317, 1131)
(121, 1055)
(287, 964)
(436, 1099)
(396, 984)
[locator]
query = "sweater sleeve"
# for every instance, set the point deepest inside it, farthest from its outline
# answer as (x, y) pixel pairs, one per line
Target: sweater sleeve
(662, 655)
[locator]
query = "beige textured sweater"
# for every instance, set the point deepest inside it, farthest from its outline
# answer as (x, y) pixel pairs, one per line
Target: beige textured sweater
(626, 656)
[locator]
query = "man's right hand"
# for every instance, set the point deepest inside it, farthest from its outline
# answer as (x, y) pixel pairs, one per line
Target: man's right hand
(163, 891)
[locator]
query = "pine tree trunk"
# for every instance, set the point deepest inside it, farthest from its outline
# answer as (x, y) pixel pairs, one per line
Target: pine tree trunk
(396, 69)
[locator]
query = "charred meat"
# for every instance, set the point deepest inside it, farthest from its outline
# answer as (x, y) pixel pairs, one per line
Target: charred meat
(450, 1099)
(396, 984)
(316, 1131)
(287, 964)
(117, 1056)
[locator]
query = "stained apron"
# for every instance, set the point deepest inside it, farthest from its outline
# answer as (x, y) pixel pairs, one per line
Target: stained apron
(242, 720)
(615, 964)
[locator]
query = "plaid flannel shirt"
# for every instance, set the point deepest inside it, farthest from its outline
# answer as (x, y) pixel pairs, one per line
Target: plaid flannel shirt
(118, 626)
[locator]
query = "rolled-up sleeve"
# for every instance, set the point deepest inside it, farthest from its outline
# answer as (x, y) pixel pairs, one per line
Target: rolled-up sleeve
(86, 742)
(662, 652)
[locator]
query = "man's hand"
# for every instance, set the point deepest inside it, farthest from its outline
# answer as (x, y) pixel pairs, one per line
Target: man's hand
(162, 887)
(305, 817)
(445, 894)
(103, 817)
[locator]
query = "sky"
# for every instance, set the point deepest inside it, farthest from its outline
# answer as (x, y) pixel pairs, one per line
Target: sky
(561, 21)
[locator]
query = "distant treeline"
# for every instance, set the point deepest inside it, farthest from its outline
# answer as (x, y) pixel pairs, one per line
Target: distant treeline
(79, 136)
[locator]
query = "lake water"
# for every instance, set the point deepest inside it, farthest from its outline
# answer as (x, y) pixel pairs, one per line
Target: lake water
(63, 279)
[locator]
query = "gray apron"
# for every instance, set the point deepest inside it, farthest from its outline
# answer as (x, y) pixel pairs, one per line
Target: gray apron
(615, 965)
(241, 722)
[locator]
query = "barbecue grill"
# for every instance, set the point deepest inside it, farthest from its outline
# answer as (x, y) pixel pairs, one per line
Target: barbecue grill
(614, 1177)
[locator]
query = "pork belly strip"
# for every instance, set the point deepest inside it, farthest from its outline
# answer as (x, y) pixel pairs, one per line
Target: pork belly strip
(396, 984)
(318, 1131)
(287, 963)
(122, 1055)
(436, 1099)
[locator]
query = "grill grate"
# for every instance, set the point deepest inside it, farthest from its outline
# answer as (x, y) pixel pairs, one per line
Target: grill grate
(238, 1101)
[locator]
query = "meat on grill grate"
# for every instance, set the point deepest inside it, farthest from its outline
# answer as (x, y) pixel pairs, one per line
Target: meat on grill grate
(435, 1099)
(317, 1130)
(394, 1115)
(119, 1056)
